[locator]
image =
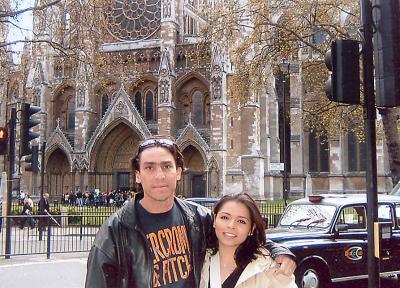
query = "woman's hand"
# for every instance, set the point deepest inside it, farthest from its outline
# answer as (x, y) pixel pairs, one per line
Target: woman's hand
(284, 265)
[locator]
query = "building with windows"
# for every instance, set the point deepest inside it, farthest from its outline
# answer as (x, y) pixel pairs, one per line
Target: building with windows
(148, 75)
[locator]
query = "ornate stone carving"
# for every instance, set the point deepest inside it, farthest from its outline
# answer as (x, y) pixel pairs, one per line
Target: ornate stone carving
(163, 72)
(36, 96)
(80, 163)
(216, 87)
(133, 19)
(216, 69)
(164, 91)
(121, 107)
(80, 93)
(167, 8)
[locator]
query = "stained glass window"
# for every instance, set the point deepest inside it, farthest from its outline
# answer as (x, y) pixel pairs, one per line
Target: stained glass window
(198, 108)
(71, 114)
(104, 104)
(318, 153)
(357, 153)
(149, 106)
(133, 19)
(138, 102)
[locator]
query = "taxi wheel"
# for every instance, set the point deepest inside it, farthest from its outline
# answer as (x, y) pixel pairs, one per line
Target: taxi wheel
(309, 276)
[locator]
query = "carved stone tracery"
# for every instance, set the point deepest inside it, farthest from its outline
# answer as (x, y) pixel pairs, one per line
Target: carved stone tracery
(164, 91)
(216, 83)
(130, 20)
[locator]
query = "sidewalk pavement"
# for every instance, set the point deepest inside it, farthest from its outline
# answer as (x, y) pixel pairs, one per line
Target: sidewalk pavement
(62, 270)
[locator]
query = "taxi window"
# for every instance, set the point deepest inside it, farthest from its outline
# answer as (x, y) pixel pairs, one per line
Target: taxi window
(385, 213)
(398, 214)
(354, 217)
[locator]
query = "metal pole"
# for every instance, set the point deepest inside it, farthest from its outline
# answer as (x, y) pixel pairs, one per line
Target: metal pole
(48, 241)
(11, 161)
(284, 140)
(370, 136)
(42, 171)
(42, 190)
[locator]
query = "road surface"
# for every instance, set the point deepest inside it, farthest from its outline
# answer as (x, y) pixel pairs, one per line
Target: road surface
(35, 271)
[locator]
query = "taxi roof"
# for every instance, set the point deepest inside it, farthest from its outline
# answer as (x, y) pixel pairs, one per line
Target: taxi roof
(346, 199)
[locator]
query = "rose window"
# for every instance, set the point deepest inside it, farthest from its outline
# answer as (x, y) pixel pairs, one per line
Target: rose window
(130, 20)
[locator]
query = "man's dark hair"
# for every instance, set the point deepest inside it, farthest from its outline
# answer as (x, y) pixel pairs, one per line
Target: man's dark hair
(250, 248)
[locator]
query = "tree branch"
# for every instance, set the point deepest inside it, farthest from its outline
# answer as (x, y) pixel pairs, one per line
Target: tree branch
(18, 12)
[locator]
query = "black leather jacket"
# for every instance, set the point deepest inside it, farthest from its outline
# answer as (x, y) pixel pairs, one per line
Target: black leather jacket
(120, 256)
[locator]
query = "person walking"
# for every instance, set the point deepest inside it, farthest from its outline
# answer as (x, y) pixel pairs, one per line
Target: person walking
(27, 212)
(157, 239)
(237, 257)
(44, 208)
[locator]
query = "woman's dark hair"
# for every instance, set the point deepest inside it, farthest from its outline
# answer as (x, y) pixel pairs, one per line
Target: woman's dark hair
(157, 141)
(249, 249)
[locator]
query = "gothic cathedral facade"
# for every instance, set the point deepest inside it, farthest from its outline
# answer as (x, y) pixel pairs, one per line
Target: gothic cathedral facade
(150, 78)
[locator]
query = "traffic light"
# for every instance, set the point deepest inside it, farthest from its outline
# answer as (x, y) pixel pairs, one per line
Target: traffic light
(386, 16)
(3, 141)
(26, 124)
(343, 59)
(33, 160)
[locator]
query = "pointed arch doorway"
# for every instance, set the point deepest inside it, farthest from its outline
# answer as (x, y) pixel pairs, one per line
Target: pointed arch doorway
(195, 176)
(58, 174)
(112, 161)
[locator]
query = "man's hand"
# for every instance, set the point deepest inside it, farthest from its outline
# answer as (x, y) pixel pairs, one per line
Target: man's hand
(284, 265)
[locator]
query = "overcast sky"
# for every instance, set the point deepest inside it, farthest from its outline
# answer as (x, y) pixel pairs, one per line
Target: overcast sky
(24, 21)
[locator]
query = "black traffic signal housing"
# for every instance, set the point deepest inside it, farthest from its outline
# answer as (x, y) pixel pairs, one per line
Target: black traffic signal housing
(33, 160)
(3, 141)
(343, 60)
(26, 124)
(386, 16)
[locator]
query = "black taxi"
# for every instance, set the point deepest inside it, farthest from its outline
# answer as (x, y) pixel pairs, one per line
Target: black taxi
(328, 235)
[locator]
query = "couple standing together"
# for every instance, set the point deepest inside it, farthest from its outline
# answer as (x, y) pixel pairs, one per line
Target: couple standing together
(159, 240)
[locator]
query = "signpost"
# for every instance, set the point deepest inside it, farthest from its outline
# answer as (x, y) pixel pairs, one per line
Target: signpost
(276, 166)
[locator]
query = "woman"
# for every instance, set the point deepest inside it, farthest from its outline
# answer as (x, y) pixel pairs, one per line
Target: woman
(237, 258)
(27, 212)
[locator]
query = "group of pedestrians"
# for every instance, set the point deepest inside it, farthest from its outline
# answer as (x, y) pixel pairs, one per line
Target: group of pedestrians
(97, 198)
(159, 240)
(27, 211)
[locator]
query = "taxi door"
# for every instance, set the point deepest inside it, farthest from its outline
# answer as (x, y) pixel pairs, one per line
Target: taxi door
(352, 240)
(390, 244)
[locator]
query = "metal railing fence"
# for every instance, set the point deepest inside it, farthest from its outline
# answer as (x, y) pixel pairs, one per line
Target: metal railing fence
(57, 209)
(73, 228)
(39, 234)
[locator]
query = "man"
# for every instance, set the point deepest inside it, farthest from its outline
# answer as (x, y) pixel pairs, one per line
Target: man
(44, 208)
(157, 240)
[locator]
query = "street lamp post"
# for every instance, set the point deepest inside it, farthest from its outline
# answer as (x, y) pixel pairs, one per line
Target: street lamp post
(285, 69)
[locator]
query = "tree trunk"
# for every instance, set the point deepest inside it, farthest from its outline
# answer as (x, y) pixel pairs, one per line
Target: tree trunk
(389, 120)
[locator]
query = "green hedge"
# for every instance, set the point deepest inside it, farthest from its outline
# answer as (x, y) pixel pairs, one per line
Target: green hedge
(77, 215)
(95, 216)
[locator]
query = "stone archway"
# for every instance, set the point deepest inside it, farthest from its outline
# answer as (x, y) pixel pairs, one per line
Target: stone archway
(194, 177)
(112, 160)
(58, 174)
